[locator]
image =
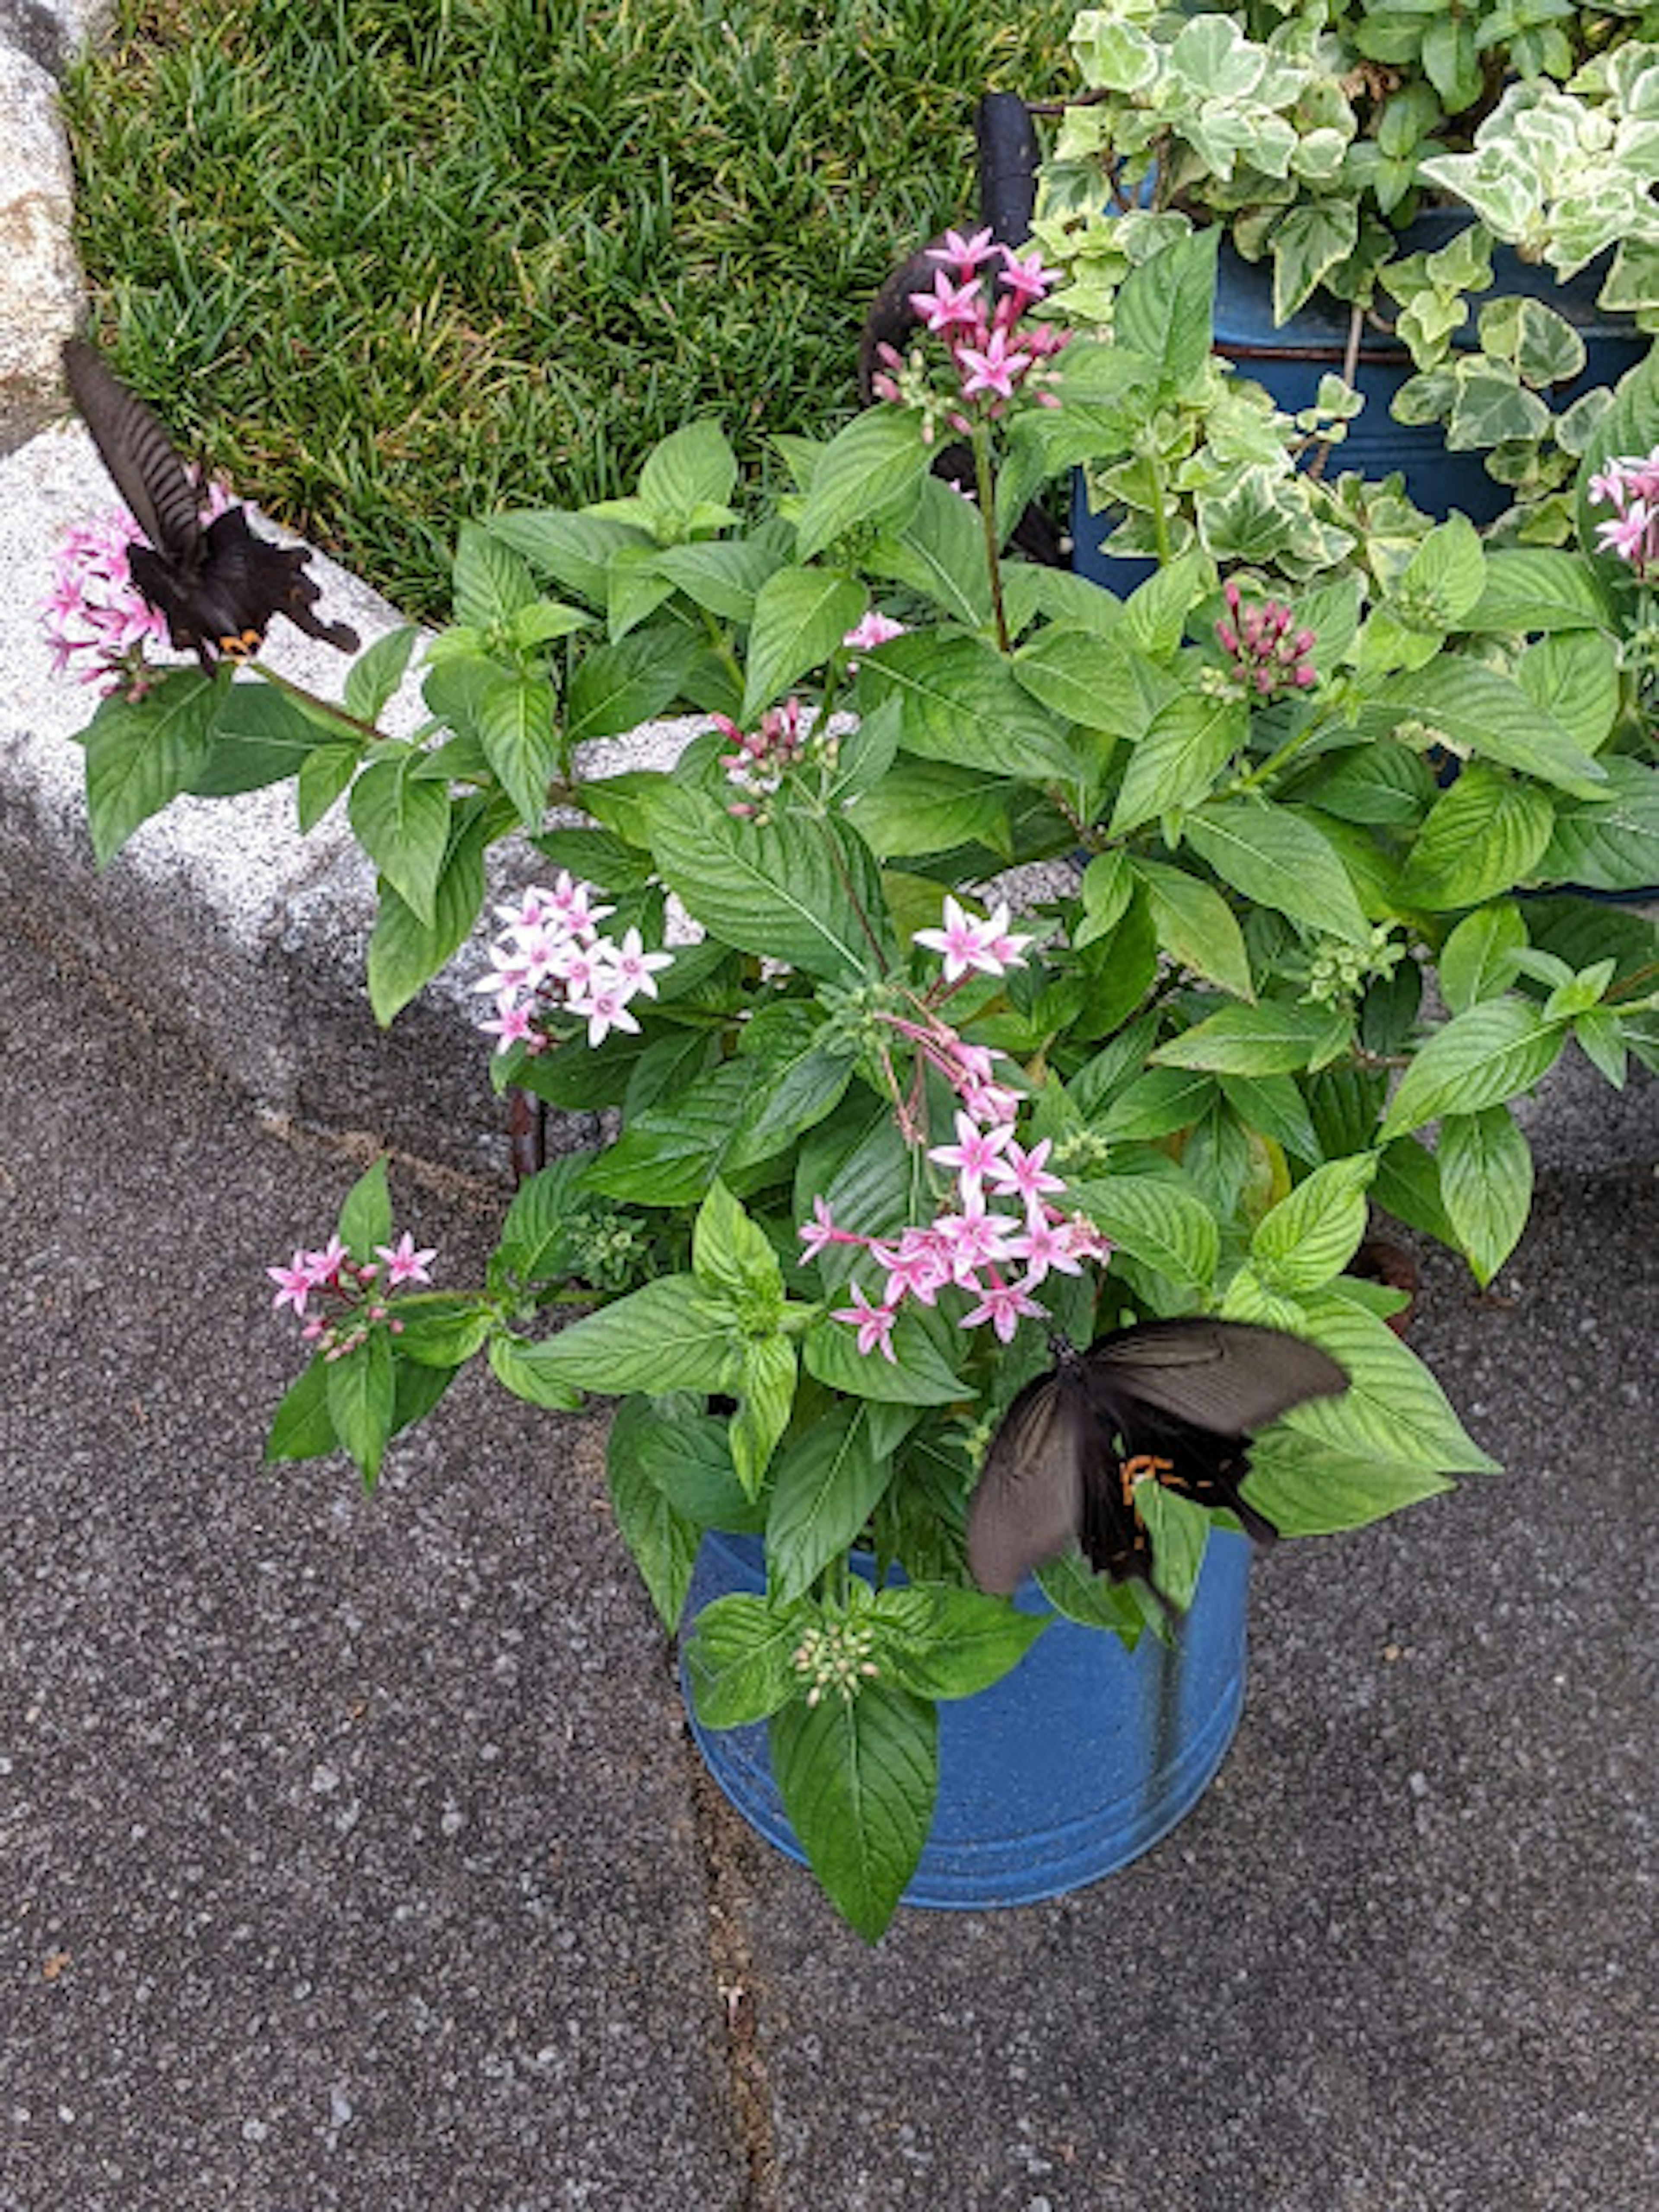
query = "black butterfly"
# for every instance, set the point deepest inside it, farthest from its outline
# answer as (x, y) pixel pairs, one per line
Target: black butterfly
(218, 586)
(1170, 1402)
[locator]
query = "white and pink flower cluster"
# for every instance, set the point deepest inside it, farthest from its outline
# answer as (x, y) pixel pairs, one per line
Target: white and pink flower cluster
(95, 607)
(551, 959)
(1269, 658)
(997, 1257)
(1631, 488)
(353, 1296)
(979, 300)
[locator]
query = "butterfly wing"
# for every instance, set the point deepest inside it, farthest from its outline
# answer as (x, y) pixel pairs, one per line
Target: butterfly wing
(1028, 1506)
(149, 473)
(1228, 1376)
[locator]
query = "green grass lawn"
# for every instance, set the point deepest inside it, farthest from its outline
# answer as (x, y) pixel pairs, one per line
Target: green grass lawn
(392, 263)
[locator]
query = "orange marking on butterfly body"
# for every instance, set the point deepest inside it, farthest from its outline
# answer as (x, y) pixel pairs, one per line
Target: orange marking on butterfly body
(1142, 1467)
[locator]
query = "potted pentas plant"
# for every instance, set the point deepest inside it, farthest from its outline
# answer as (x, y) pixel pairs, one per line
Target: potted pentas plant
(968, 1252)
(1450, 210)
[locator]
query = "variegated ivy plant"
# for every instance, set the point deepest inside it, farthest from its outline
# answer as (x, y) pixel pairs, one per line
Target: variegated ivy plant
(1313, 130)
(878, 1137)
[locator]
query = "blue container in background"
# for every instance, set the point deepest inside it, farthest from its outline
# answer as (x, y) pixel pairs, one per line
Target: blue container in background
(1289, 363)
(1073, 1764)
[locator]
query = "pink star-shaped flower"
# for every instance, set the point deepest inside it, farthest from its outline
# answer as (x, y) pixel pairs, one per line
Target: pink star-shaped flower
(873, 1324)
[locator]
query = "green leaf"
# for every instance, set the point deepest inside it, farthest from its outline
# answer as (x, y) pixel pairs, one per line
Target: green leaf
(791, 889)
(442, 1329)
(688, 1455)
(1194, 926)
(1274, 1107)
(917, 1375)
(1161, 1224)
(1602, 1039)
(961, 704)
(924, 807)
(1093, 1600)
(1393, 1406)
(360, 1392)
(662, 1541)
(1083, 677)
(140, 754)
(826, 1488)
(939, 1642)
(576, 549)
(691, 470)
(667, 1336)
(1484, 835)
(801, 615)
(1273, 1038)
(1312, 1234)
(1157, 1104)
(260, 736)
(1474, 961)
(403, 952)
(940, 554)
(1281, 860)
(802, 1078)
(517, 731)
(402, 822)
(1308, 1488)
(738, 1660)
(1307, 245)
(1575, 678)
(1485, 1184)
(375, 675)
(518, 1367)
(1185, 746)
(1481, 1058)
(1180, 1530)
(1530, 589)
(871, 471)
(764, 1380)
(1610, 844)
(324, 773)
(490, 581)
(730, 1253)
(858, 1778)
(302, 1428)
(620, 686)
(1484, 714)
(1164, 307)
(366, 1216)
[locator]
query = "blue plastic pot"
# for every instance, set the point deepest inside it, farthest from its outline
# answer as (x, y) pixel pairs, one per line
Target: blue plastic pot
(1066, 1769)
(1289, 363)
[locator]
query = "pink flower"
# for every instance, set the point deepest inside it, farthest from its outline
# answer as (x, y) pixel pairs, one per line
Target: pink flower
(919, 1267)
(821, 1230)
(633, 966)
(874, 1323)
(512, 1025)
(871, 630)
(966, 943)
(1025, 277)
(973, 1238)
(326, 1265)
(604, 1011)
(403, 1263)
(992, 368)
(295, 1285)
(974, 1155)
(1043, 1246)
(1023, 1172)
(948, 305)
(965, 254)
(1002, 1306)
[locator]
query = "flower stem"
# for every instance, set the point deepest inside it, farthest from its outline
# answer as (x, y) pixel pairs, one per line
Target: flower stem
(985, 484)
(324, 707)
